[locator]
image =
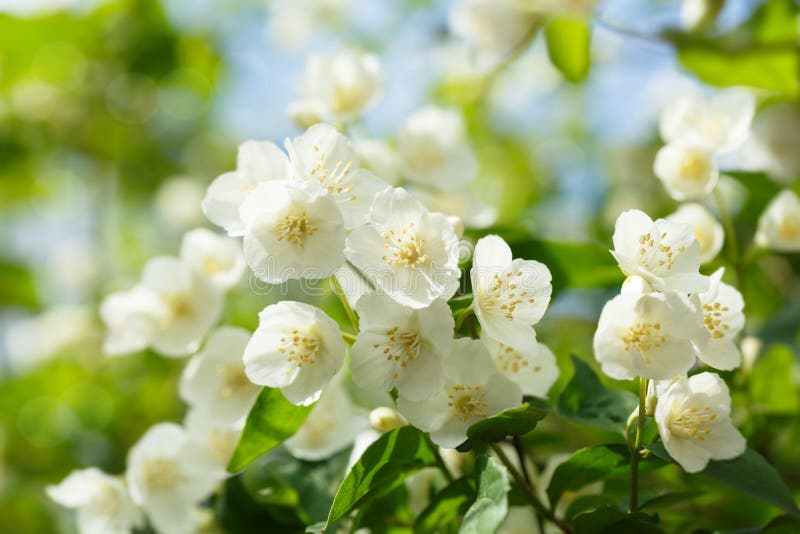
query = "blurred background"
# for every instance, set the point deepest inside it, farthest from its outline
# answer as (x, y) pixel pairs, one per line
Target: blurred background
(115, 115)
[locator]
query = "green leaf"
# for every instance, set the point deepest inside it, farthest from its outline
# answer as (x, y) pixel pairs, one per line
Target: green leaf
(668, 500)
(586, 503)
(607, 519)
(512, 422)
(750, 474)
(771, 384)
(573, 265)
(588, 465)
(457, 304)
(761, 53)
(587, 402)
(783, 524)
(491, 506)
(447, 508)
(384, 465)
(568, 40)
(270, 422)
(18, 287)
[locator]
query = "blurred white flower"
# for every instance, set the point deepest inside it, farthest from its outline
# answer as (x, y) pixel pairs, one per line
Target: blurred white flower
(693, 418)
(723, 320)
(699, 14)
(188, 305)
(688, 172)
(292, 23)
(212, 440)
(216, 257)
(751, 348)
(637, 285)
(399, 346)
(720, 123)
(75, 264)
(433, 150)
(406, 251)
(707, 230)
(664, 253)
(772, 148)
(534, 370)
(343, 84)
(178, 202)
(379, 158)
(510, 295)
(30, 341)
(324, 159)
(291, 231)
(167, 479)
(214, 381)
(462, 204)
(474, 389)
(385, 419)
(646, 335)
(296, 348)
(102, 501)
(331, 426)
(256, 162)
(131, 320)
(779, 225)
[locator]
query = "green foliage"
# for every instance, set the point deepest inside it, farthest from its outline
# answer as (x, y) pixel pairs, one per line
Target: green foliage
(586, 401)
(771, 384)
(511, 422)
(568, 45)
(447, 508)
(18, 287)
(270, 422)
(586, 466)
(761, 53)
(750, 474)
(491, 505)
(607, 520)
(384, 465)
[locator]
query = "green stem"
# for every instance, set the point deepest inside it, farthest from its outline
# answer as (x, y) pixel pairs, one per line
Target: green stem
(351, 315)
(464, 314)
(350, 338)
(733, 241)
(527, 488)
(637, 445)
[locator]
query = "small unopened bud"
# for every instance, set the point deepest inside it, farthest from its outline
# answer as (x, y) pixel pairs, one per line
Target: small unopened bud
(650, 406)
(304, 114)
(636, 284)
(457, 224)
(385, 419)
(697, 15)
(751, 348)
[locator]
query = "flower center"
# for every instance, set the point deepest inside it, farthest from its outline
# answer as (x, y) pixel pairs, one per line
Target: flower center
(694, 168)
(212, 265)
(502, 294)
(105, 501)
(467, 402)
(406, 248)
(789, 227)
(692, 422)
(704, 240)
(295, 228)
(402, 346)
(233, 381)
(712, 319)
(178, 306)
(299, 348)
(510, 360)
(334, 180)
(663, 254)
(222, 443)
(642, 337)
(161, 473)
(348, 97)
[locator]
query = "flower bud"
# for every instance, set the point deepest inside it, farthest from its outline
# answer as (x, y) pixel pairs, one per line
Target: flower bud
(385, 419)
(751, 348)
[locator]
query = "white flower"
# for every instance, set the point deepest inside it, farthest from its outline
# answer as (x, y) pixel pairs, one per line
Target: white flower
(646, 335)
(214, 380)
(189, 305)
(433, 149)
(296, 348)
(167, 479)
(385, 419)
(343, 84)
(406, 251)
(292, 23)
(720, 123)
(723, 319)
(773, 145)
(492, 28)
(353, 284)
(214, 256)
(401, 347)
(178, 201)
(534, 370)
(102, 500)
(379, 158)
(707, 231)
(462, 204)
(779, 225)
(687, 171)
(131, 320)
(473, 390)
(510, 295)
(664, 253)
(324, 159)
(212, 440)
(331, 426)
(256, 162)
(693, 418)
(291, 232)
